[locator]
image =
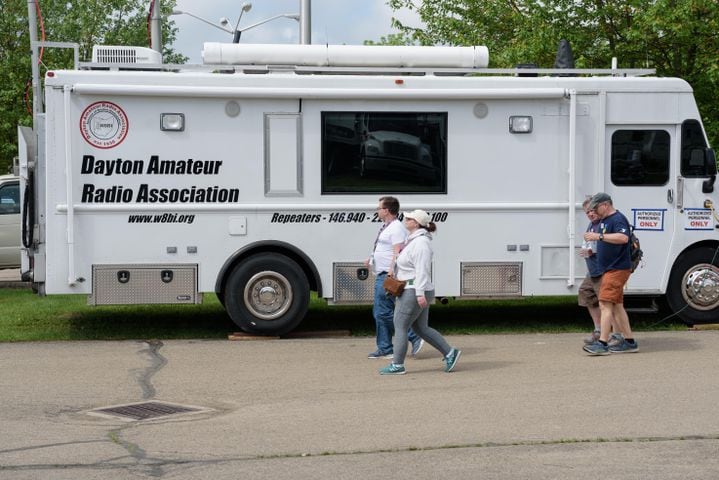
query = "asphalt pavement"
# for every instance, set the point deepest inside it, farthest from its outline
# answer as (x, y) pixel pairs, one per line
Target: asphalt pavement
(516, 407)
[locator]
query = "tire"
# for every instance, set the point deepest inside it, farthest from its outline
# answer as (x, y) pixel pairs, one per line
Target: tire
(267, 294)
(693, 290)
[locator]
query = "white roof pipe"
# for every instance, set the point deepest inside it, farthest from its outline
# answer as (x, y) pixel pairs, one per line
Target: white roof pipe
(396, 92)
(345, 55)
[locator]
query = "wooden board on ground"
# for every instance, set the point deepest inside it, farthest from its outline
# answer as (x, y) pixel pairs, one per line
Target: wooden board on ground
(706, 326)
(248, 336)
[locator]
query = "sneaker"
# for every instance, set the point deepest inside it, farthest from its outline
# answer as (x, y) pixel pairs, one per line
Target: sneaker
(417, 346)
(615, 339)
(593, 337)
(451, 359)
(596, 348)
(378, 354)
(392, 369)
(624, 347)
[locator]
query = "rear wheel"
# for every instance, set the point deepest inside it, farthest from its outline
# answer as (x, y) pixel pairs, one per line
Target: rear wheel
(267, 294)
(693, 291)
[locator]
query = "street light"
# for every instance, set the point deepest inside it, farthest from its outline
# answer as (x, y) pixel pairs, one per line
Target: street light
(237, 32)
(246, 7)
(182, 12)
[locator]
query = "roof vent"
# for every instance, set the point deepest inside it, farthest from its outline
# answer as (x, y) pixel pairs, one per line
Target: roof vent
(125, 55)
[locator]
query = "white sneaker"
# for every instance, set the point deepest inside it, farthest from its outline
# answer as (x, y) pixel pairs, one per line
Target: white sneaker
(593, 337)
(417, 346)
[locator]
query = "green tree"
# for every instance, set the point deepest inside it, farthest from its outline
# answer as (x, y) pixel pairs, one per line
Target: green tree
(393, 39)
(85, 22)
(679, 38)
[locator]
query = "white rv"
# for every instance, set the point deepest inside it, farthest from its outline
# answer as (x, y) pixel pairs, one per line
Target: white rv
(255, 177)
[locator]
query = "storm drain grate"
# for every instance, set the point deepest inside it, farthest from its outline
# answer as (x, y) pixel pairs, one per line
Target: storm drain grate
(146, 410)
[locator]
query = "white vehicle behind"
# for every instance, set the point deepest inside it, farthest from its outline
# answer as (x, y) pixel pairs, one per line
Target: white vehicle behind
(9, 221)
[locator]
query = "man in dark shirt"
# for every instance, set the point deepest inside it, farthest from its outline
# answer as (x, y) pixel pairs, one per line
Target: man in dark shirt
(615, 264)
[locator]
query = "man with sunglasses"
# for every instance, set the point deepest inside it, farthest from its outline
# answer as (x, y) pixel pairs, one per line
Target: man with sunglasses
(615, 264)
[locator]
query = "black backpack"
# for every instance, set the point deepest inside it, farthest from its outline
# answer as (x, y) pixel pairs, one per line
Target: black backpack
(635, 249)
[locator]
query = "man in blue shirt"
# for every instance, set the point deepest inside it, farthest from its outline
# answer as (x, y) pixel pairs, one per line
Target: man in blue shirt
(614, 262)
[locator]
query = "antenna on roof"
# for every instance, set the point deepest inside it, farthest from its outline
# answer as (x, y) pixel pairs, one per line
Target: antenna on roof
(565, 58)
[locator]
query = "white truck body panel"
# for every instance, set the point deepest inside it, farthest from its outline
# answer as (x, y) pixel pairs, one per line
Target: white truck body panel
(254, 143)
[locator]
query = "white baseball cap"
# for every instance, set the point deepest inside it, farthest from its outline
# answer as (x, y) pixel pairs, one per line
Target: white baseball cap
(420, 216)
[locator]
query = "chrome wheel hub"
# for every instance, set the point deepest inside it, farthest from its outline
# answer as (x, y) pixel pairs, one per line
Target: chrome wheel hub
(700, 287)
(268, 295)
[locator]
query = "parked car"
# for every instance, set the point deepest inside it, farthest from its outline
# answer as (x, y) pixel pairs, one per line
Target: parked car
(396, 153)
(9, 222)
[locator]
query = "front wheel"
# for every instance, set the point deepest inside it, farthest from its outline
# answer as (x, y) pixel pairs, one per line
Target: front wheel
(693, 291)
(267, 294)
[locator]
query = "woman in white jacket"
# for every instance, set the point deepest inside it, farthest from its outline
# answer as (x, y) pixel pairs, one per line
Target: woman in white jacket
(412, 307)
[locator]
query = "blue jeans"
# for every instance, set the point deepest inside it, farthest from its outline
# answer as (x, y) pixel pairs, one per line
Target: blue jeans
(383, 311)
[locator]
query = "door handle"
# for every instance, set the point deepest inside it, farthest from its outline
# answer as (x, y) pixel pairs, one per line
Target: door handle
(670, 196)
(680, 193)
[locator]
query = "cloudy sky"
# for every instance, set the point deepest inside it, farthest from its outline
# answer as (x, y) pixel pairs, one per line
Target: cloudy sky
(333, 21)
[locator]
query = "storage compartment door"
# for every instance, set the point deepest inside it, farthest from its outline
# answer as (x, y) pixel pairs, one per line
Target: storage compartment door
(283, 158)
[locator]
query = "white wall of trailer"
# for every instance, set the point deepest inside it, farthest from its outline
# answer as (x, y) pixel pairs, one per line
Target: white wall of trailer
(503, 189)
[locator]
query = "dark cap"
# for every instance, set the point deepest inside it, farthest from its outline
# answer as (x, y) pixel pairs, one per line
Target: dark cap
(598, 198)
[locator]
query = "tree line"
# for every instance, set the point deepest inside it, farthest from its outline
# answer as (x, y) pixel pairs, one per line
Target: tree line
(678, 38)
(85, 22)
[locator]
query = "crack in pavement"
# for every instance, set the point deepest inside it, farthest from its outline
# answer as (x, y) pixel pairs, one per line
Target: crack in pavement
(140, 462)
(149, 466)
(157, 363)
(154, 467)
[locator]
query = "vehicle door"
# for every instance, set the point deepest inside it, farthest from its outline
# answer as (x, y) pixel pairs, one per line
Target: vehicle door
(639, 178)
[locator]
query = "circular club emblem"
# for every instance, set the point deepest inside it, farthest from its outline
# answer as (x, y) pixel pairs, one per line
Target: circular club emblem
(104, 125)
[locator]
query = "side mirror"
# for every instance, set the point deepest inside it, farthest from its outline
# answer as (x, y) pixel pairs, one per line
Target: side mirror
(710, 167)
(710, 161)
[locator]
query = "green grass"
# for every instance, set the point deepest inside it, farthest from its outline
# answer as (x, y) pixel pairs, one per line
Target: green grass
(25, 316)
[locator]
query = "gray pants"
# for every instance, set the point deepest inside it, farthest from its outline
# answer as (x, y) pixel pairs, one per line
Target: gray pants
(407, 313)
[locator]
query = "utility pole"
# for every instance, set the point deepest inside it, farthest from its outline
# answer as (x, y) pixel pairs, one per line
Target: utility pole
(305, 22)
(32, 21)
(156, 26)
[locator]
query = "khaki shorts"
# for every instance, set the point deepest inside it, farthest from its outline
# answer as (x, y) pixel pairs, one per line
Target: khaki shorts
(612, 289)
(588, 294)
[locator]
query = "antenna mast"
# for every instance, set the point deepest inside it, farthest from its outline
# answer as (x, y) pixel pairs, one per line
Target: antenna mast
(155, 26)
(305, 22)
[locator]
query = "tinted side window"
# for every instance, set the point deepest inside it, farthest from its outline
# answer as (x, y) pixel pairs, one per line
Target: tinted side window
(384, 152)
(692, 139)
(10, 199)
(640, 157)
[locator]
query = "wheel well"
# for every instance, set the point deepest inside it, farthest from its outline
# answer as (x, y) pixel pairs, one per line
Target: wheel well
(703, 243)
(282, 248)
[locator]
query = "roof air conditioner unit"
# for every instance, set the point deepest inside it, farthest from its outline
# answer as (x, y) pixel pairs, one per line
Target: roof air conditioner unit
(125, 55)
